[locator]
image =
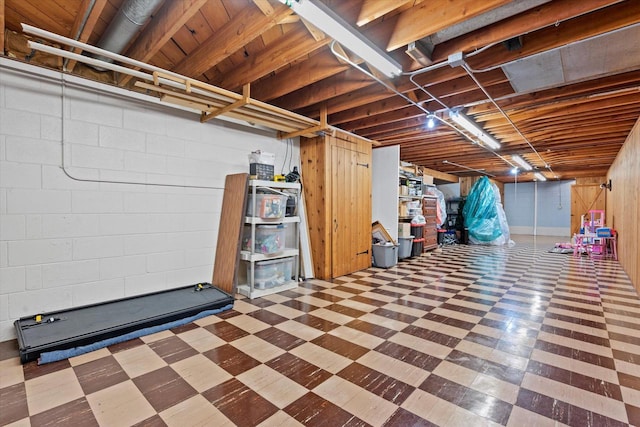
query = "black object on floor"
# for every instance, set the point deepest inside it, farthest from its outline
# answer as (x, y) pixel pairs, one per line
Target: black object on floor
(61, 330)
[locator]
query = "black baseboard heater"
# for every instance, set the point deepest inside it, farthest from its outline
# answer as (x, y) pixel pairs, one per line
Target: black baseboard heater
(82, 326)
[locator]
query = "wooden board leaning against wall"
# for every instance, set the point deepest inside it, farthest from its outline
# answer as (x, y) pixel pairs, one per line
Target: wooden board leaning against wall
(336, 175)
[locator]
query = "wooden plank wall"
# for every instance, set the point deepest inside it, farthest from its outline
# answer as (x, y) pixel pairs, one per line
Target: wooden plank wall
(315, 161)
(623, 200)
(594, 180)
(336, 175)
(2, 27)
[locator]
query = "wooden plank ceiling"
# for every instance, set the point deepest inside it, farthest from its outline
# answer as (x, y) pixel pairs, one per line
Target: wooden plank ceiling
(565, 130)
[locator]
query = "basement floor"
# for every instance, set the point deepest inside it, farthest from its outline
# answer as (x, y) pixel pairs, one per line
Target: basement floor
(471, 336)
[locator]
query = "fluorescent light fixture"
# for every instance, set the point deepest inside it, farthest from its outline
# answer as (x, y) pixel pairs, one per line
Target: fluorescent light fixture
(337, 28)
(475, 130)
(539, 176)
(522, 162)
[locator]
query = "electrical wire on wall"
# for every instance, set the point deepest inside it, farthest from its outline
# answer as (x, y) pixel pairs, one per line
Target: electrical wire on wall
(288, 155)
(66, 171)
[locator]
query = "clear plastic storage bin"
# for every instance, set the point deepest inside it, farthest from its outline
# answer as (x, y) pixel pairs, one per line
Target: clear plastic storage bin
(270, 239)
(268, 206)
(268, 274)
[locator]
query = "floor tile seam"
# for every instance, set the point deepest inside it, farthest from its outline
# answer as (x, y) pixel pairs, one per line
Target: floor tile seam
(555, 412)
(604, 383)
(466, 391)
(615, 312)
(563, 394)
(552, 333)
(576, 334)
(355, 397)
(559, 296)
(578, 308)
(485, 363)
(616, 337)
(392, 380)
(579, 355)
(571, 321)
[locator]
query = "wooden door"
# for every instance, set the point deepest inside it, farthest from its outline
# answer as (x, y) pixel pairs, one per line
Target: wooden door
(583, 199)
(343, 204)
(351, 209)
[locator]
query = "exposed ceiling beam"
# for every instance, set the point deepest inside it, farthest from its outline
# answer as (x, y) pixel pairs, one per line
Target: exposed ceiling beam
(440, 175)
(629, 80)
(84, 24)
(346, 82)
(316, 68)
(535, 19)
(374, 9)
(430, 17)
(238, 32)
(286, 49)
(592, 24)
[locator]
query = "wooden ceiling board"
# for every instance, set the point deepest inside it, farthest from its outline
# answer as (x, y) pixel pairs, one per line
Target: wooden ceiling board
(578, 126)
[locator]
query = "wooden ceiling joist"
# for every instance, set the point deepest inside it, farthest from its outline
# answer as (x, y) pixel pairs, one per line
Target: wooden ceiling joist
(237, 33)
(430, 17)
(84, 24)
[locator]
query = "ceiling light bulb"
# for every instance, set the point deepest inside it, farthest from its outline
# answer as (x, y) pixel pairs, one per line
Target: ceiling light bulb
(431, 123)
(338, 29)
(522, 162)
(514, 171)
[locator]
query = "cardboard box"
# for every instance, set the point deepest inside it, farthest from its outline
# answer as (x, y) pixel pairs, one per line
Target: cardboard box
(404, 229)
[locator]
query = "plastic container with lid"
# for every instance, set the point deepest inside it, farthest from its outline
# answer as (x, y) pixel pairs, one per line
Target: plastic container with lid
(385, 255)
(405, 246)
(271, 273)
(269, 239)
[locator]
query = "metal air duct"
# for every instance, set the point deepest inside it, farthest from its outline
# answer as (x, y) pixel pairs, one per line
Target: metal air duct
(128, 21)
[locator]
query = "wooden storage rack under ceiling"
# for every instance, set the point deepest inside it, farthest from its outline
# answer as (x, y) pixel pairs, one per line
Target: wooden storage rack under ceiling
(174, 88)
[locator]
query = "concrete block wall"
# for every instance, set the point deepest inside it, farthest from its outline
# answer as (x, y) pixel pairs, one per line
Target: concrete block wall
(67, 242)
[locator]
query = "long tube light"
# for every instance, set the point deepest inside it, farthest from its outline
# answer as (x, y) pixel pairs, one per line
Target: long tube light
(337, 28)
(522, 162)
(539, 176)
(475, 130)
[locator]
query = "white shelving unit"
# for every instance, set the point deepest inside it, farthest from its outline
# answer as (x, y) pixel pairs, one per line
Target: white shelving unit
(251, 258)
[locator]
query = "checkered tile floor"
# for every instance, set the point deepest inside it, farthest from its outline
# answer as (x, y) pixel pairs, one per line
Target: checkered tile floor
(472, 336)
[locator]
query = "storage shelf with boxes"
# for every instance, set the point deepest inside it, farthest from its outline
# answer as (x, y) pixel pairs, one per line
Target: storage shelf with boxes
(270, 243)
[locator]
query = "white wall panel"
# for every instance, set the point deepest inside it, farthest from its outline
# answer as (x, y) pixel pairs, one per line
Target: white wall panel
(67, 242)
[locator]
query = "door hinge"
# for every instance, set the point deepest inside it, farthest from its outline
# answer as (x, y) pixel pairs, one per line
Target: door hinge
(366, 165)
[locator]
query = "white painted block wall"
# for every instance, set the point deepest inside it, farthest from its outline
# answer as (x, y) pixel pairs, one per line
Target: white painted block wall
(65, 242)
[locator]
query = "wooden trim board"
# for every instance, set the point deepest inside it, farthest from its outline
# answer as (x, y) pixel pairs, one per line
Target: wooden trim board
(225, 269)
